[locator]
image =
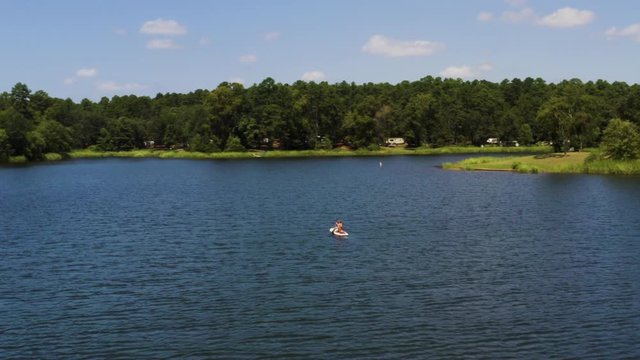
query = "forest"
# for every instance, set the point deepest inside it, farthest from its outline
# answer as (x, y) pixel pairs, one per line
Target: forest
(431, 112)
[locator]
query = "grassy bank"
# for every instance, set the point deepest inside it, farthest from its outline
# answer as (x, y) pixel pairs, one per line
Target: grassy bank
(172, 154)
(23, 159)
(570, 163)
(617, 167)
(181, 154)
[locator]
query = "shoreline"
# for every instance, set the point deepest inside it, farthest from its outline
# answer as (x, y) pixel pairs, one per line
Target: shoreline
(543, 160)
(553, 163)
(273, 154)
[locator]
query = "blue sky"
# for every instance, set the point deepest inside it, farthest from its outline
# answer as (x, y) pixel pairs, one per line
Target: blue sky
(94, 48)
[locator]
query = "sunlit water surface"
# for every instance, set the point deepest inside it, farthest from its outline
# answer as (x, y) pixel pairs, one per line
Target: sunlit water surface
(233, 259)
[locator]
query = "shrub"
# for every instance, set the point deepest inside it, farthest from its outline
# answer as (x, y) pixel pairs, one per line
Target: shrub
(621, 140)
(324, 144)
(234, 144)
(524, 168)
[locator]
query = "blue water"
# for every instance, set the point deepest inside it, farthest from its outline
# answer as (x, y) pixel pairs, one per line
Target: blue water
(233, 259)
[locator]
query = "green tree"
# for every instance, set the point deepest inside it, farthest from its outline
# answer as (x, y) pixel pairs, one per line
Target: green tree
(234, 144)
(36, 146)
(386, 122)
(556, 119)
(621, 140)
(630, 107)
(5, 146)
(56, 137)
(270, 106)
(482, 110)
(525, 135)
(225, 105)
(250, 132)
(170, 128)
(570, 116)
(509, 127)
(198, 129)
(324, 143)
(535, 92)
(417, 117)
(5, 100)
(86, 127)
(19, 98)
(121, 134)
(204, 143)
(299, 116)
(39, 102)
(61, 111)
(316, 109)
(360, 130)
(448, 113)
(16, 127)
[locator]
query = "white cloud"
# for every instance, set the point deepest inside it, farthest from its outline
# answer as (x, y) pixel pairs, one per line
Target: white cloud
(81, 73)
(382, 45)
(520, 16)
(110, 86)
(86, 72)
(568, 17)
(163, 27)
(161, 44)
(632, 31)
(465, 71)
(313, 76)
(248, 58)
(204, 41)
(485, 16)
(272, 35)
(457, 72)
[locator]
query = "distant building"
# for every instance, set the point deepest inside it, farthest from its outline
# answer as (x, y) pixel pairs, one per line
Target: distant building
(396, 141)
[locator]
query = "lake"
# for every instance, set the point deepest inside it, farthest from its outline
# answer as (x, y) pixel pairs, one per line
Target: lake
(232, 259)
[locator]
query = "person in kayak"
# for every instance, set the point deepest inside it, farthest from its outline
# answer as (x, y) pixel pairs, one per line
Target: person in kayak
(339, 228)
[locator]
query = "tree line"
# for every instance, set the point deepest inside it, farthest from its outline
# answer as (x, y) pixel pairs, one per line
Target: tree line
(306, 115)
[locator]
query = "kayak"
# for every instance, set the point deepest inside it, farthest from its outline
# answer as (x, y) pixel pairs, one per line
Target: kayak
(334, 231)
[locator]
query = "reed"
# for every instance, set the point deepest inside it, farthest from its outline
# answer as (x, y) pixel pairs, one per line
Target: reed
(612, 167)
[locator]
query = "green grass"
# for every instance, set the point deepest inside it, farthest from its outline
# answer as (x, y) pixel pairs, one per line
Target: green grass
(53, 157)
(612, 167)
(484, 150)
(47, 157)
(174, 154)
(17, 159)
(591, 162)
(337, 152)
(570, 163)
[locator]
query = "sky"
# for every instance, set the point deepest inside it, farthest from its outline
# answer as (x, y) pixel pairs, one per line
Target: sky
(93, 48)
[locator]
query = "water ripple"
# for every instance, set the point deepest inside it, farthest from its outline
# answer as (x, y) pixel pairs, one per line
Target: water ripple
(232, 260)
